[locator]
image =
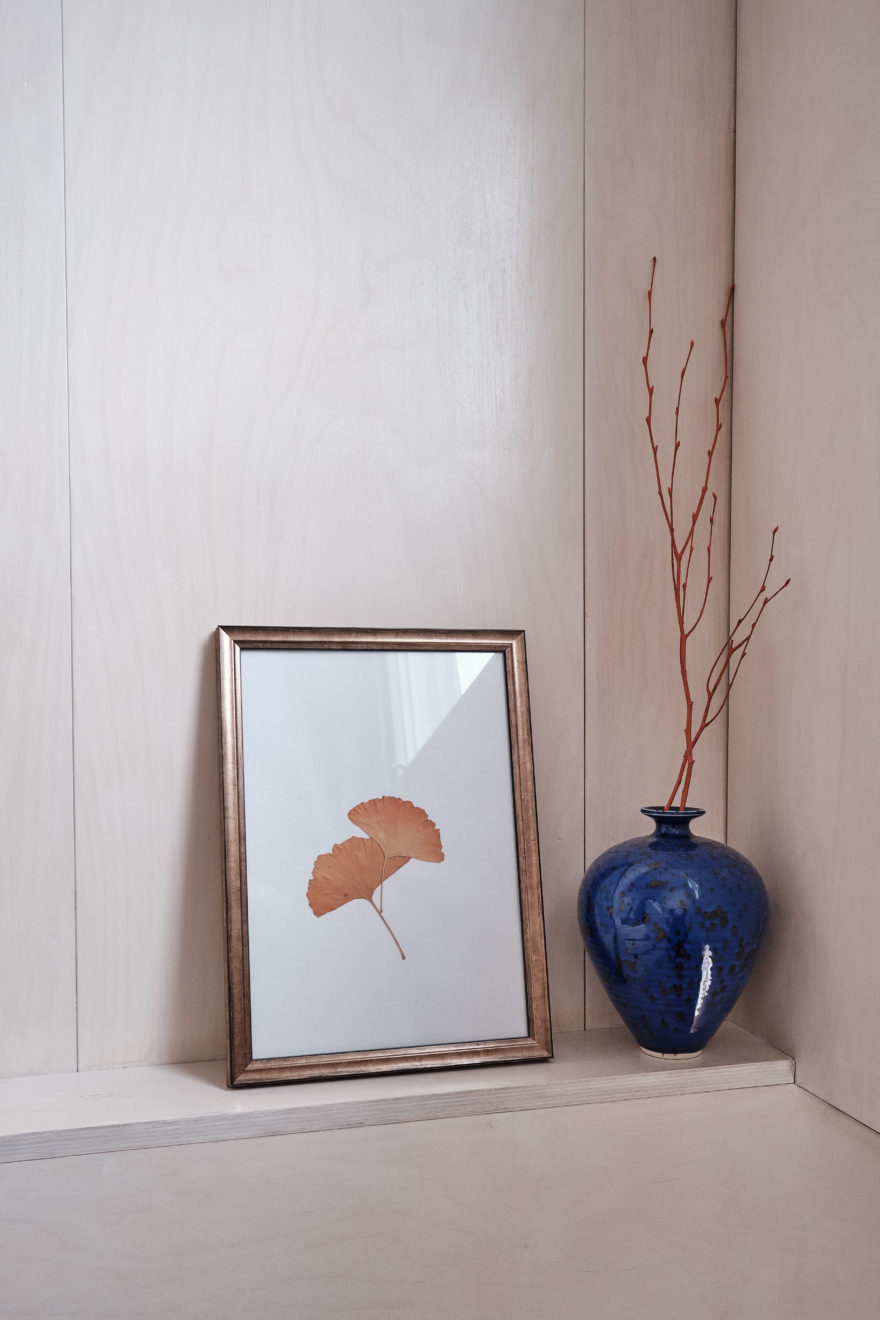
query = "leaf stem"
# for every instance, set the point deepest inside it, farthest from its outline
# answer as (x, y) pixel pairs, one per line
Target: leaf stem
(387, 927)
(382, 878)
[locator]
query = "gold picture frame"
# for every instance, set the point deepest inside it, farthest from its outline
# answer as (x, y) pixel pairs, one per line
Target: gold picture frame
(418, 745)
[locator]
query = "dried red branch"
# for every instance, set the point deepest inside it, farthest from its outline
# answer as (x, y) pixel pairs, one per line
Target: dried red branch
(723, 671)
(741, 620)
(677, 443)
(710, 453)
(650, 388)
(696, 621)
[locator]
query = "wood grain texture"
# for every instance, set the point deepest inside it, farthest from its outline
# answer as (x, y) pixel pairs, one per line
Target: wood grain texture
(325, 342)
(175, 1104)
(737, 1205)
(804, 736)
(659, 85)
(37, 971)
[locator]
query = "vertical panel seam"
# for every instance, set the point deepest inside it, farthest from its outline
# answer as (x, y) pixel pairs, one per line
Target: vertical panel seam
(584, 465)
(69, 539)
(727, 723)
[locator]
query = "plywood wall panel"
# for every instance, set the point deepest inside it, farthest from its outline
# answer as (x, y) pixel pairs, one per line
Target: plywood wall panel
(803, 747)
(495, 1217)
(37, 970)
(659, 105)
(325, 336)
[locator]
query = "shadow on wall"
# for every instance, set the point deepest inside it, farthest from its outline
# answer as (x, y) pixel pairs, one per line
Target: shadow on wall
(196, 990)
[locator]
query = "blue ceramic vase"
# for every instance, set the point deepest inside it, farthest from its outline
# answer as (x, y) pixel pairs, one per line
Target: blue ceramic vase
(673, 924)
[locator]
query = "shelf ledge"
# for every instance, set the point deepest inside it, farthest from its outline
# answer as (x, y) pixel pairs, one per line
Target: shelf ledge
(90, 1113)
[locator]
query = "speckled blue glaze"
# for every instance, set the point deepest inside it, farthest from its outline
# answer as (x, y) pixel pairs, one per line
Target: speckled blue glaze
(672, 924)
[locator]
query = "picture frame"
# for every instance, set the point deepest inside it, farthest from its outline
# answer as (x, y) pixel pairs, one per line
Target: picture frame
(348, 756)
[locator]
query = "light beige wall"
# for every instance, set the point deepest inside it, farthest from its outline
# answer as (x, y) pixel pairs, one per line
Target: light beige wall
(732, 1206)
(325, 347)
(806, 724)
(37, 975)
(326, 301)
(659, 83)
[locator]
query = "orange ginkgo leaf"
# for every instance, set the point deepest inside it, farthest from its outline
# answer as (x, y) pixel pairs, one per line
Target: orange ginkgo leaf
(400, 828)
(354, 869)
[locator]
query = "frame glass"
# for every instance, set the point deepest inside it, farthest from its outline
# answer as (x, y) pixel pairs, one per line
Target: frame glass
(382, 878)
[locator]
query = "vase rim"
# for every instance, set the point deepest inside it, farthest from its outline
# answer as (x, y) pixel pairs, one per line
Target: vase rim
(673, 813)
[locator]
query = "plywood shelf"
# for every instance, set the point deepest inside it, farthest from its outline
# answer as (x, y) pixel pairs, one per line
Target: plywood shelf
(180, 1104)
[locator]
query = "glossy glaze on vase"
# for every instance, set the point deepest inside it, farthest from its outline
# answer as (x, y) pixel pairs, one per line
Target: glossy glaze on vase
(673, 924)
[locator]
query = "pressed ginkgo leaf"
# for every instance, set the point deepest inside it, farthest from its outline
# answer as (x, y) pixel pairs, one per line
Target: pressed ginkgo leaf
(398, 832)
(354, 869)
(400, 828)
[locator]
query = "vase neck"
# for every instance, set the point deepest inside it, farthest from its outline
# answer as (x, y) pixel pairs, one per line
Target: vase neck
(672, 824)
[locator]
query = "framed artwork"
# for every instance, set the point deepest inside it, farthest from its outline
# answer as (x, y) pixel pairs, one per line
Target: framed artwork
(383, 892)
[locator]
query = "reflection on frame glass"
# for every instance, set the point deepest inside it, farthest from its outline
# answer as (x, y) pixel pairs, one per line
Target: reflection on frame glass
(383, 893)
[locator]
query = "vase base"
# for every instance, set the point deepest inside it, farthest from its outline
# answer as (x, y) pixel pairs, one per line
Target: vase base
(679, 1058)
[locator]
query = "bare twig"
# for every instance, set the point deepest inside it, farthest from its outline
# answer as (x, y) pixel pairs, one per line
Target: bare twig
(723, 670)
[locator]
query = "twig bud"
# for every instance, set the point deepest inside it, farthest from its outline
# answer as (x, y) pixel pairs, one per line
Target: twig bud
(723, 664)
